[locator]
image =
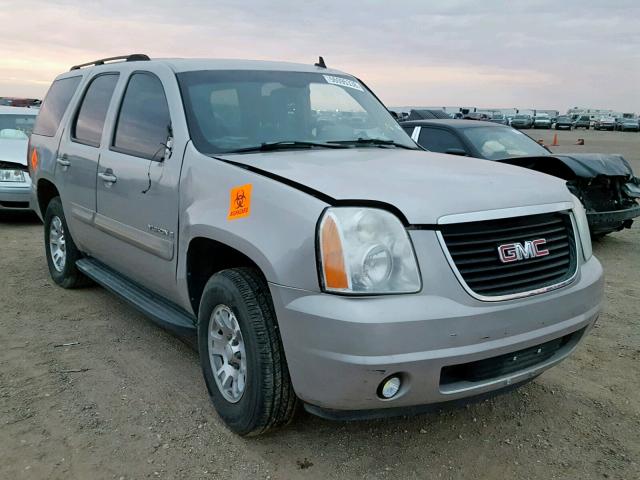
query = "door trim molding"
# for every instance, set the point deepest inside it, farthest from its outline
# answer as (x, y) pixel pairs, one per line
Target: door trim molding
(148, 242)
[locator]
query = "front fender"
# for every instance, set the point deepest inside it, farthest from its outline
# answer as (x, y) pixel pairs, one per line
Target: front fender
(277, 234)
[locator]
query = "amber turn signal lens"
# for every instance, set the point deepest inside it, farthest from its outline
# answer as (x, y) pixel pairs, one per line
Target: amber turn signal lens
(335, 275)
(34, 160)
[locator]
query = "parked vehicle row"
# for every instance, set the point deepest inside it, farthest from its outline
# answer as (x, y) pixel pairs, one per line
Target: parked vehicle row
(279, 215)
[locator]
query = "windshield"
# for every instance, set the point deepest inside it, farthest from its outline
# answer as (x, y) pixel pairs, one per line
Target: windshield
(16, 126)
(564, 119)
(498, 116)
(521, 117)
(499, 143)
(234, 110)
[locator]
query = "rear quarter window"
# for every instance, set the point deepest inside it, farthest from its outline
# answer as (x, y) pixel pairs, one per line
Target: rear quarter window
(54, 106)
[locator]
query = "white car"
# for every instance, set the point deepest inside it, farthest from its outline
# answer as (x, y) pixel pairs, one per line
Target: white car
(16, 124)
(542, 121)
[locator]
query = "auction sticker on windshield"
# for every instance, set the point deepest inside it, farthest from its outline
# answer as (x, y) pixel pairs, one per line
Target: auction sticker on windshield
(240, 202)
(343, 82)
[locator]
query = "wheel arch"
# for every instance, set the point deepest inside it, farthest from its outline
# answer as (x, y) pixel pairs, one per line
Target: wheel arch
(46, 192)
(205, 257)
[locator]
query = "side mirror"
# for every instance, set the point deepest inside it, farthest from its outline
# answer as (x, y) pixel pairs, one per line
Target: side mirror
(457, 151)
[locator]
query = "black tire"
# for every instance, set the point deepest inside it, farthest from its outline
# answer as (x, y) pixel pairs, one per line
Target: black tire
(68, 276)
(268, 399)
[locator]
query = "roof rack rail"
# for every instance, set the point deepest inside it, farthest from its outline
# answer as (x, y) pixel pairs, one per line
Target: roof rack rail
(134, 57)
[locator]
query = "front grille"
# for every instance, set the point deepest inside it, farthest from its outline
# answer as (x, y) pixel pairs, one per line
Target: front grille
(502, 365)
(473, 247)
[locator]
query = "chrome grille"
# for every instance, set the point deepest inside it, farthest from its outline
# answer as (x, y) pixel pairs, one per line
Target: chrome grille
(473, 248)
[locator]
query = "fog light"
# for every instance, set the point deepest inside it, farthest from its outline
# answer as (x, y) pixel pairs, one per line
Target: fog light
(390, 387)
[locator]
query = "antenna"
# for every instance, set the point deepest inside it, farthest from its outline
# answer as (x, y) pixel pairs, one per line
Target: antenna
(321, 63)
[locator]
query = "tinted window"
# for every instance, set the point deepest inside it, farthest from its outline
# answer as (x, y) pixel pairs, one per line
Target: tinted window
(90, 120)
(438, 140)
(409, 130)
(54, 106)
(143, 121)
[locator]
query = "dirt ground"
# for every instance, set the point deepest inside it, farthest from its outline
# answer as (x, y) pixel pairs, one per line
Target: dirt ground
(128, 401)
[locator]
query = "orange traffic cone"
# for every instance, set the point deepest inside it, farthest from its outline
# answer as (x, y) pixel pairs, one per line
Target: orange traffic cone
(580, 141)
(555, 141)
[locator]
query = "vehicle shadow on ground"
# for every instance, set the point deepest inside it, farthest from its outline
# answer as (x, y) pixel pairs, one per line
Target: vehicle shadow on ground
(10, 219)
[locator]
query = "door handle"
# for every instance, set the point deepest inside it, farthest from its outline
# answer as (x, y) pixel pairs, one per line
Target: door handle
(108, 177)
(63, 162)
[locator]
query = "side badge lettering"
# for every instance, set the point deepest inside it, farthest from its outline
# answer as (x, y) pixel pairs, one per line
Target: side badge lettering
(240, 202)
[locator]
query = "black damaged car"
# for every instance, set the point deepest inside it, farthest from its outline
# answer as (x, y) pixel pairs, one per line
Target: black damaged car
(605, 183)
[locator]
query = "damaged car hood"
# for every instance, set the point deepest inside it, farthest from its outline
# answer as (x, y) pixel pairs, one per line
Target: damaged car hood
(13, 151)
(424, 186)
(583, 165)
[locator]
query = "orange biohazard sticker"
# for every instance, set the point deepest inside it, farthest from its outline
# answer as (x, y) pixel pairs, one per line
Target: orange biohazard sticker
(240, 202)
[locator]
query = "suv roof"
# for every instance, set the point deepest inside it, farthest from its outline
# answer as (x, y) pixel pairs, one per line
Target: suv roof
(193, 64)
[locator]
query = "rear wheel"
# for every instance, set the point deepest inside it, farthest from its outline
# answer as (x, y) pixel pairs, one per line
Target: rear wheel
(241, 353)
(60, 249)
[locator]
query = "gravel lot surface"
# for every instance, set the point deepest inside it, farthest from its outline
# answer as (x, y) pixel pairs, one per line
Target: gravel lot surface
(128, 401)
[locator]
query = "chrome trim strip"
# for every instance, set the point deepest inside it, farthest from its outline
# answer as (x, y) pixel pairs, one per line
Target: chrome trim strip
(504, 213)
(143, 240)
(512, 296)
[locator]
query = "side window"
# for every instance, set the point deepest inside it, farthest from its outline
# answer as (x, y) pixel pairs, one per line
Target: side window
(438, 140)
(89, 122)
(144, 121)
(54, 106)
(409, 130)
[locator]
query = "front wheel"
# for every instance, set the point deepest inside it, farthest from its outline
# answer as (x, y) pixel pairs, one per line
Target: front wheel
(241, 353)
(60, 249)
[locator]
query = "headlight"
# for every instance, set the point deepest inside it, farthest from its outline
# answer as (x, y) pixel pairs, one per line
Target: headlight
(366, 251)
(583, 227)
(11, 175)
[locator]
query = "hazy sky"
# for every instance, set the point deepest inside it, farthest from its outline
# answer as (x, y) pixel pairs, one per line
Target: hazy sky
(544, 54)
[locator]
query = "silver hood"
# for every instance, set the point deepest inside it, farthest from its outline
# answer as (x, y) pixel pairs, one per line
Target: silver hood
(13, 150)
(424, 186)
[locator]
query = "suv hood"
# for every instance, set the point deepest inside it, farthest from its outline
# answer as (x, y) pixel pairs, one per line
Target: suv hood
(424, 186)
(13, 151)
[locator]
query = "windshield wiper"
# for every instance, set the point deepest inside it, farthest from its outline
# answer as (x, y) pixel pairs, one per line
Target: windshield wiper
(284, 145)
(376, 142)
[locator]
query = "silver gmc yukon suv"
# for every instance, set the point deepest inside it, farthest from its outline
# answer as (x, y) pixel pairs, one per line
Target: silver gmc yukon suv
(279, 215)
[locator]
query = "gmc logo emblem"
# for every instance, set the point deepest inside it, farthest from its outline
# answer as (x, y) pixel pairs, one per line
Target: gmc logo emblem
(512, 252)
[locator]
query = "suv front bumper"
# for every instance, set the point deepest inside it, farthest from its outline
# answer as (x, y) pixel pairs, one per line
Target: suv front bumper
(340, 348)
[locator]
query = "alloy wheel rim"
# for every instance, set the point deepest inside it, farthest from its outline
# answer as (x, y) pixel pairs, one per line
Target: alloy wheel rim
(227, 353)
(57, 244)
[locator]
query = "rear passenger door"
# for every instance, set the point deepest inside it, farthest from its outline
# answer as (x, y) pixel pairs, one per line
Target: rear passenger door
(78, 156)
(137, 185)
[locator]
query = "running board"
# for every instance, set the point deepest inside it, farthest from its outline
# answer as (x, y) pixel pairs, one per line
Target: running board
(161, 311)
